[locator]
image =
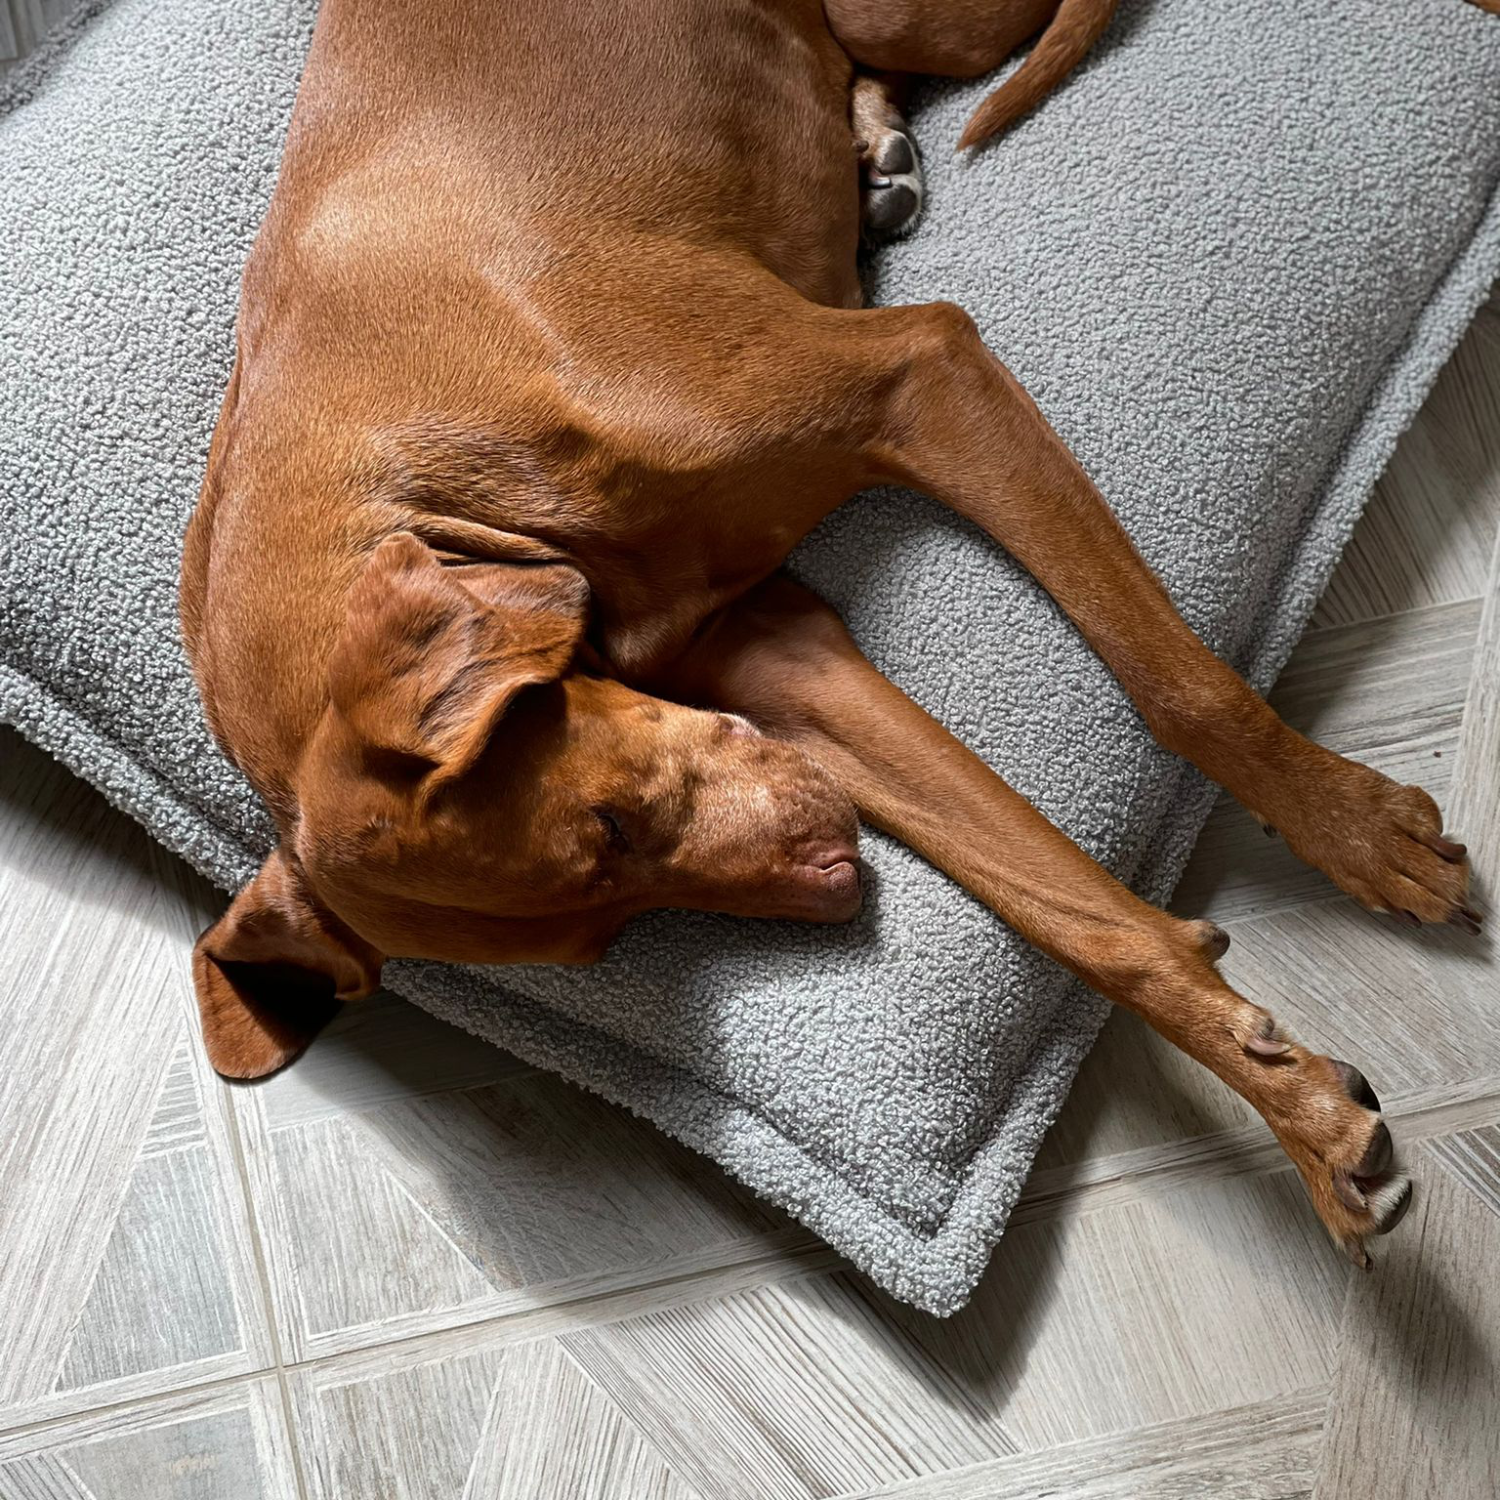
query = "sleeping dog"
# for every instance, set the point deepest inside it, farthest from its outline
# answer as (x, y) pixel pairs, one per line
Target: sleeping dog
(551, 348)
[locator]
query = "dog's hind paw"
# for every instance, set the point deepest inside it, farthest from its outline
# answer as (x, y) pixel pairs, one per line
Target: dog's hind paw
(891, 189)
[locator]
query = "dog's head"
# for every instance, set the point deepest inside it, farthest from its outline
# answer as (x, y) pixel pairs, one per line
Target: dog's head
(473, 793)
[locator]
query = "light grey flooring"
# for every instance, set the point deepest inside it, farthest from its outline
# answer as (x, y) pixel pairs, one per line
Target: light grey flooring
(23, 24)
(413, 1267)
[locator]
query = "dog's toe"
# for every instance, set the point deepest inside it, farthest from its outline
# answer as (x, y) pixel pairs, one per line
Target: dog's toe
(1381, 842)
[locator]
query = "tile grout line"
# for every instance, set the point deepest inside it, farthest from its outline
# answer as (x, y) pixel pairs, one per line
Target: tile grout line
(93, 1279)
(812, 1257)
(1315, 629)
(1272, 905)
(266, 1298)
(1333, 897)
(1293, 1405)
(185, 1391)
(1478, 749)
(1247, 1150)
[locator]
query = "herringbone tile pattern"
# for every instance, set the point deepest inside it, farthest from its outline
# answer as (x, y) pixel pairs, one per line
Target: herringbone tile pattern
(412, 1267)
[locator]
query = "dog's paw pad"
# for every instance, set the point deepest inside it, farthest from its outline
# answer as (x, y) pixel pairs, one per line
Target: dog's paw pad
(891, 190)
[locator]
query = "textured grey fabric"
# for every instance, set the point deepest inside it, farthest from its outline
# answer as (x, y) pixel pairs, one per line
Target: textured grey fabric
(1228, 258)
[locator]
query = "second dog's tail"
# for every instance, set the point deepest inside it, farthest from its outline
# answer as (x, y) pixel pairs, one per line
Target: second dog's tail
(1073, 30)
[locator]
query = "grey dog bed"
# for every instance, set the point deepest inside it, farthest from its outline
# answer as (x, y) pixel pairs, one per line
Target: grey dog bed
(1228, 258)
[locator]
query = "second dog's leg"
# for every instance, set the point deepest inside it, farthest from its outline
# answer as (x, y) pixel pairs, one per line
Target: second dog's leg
(957, 425)
(782, 657)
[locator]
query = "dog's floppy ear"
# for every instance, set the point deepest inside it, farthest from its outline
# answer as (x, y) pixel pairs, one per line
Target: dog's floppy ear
(273, 970)
(432, 655)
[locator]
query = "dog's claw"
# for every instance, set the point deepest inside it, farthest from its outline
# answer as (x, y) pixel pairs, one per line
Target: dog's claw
(1398, 1209)
(1378, 1153)
(1385, 1203)
(1449, 849)
(1265, 1046)
(1380, 842)
(894, 154)
(1356, 1085)
(1349, 1194)
(1389, 1203)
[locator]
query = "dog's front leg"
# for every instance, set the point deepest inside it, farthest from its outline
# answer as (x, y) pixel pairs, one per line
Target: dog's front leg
(957, 425)
(783, 658)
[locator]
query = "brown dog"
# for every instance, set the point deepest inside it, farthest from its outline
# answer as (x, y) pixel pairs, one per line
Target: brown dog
(550, 350)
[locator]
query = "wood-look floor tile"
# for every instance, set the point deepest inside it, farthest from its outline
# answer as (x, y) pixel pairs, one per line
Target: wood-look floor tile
(1413, 1415)
(379, 1051)
(126, 1266)
(538, 1182)
(155, 1268)
(1473, 1157)
(1474, 810)
(1146, 1312)
(1409, 1008)
(1135, 1091)
(786, 1393)
(1433, 518)
(1093, 1184)
(485, 1420)
(552, 1434)
(432, 1209)
(178, 1120)
(41, 1476)
(229, 1443)
(411, 1434)
(362, 1253)
(1084, 1326)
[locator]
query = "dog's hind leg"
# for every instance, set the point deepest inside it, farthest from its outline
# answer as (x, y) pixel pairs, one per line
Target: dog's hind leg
(782, 658)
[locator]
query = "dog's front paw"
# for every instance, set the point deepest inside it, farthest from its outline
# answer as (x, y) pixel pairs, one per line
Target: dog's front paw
(1327, 1118)
(1346, 1160)
(1381, 842)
